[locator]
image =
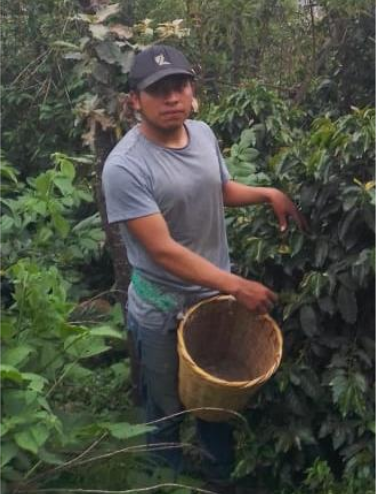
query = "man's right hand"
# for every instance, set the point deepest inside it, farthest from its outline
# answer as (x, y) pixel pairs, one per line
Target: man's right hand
(253, 295)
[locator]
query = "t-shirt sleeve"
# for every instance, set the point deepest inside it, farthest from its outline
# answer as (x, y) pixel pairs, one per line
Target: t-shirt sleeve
(126, 191)
(225, 174)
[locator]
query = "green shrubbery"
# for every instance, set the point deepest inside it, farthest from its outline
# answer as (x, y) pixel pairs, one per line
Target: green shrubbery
(313, 425)
(47, 336)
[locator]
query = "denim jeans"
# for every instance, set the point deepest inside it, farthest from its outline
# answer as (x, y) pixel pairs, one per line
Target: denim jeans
(155, 335)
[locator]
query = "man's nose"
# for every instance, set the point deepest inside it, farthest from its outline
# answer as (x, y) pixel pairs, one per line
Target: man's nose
(171, 96)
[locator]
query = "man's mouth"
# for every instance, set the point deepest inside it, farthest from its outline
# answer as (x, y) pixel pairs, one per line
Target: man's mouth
(172, 113)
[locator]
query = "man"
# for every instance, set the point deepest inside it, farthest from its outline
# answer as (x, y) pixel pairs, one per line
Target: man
(166, 183)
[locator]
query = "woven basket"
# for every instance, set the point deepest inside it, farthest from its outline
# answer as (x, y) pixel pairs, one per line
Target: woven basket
(225, 354)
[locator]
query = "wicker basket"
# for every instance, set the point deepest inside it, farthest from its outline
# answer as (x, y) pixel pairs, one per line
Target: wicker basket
(225, 354)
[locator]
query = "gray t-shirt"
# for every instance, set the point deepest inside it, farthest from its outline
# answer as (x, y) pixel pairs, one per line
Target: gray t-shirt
(141, 178)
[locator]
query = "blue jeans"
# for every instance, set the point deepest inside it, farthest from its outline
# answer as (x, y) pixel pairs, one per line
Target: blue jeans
(155, 335)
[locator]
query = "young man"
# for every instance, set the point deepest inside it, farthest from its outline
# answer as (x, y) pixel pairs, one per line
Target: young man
(166, 183)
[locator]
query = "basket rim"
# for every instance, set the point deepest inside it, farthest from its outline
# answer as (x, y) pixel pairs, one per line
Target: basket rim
(216, 380)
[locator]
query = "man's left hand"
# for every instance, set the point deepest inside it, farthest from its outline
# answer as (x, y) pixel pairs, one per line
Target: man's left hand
(285, 208)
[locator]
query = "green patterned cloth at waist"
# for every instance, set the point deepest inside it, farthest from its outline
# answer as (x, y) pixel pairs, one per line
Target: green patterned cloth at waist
(152, 293)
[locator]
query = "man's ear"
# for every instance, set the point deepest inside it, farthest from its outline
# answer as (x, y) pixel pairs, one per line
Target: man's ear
(134, 100)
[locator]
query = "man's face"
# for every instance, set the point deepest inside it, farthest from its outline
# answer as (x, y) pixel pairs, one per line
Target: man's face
(166, 104)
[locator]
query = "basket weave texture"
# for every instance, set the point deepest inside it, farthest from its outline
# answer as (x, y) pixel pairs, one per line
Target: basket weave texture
(226, 353)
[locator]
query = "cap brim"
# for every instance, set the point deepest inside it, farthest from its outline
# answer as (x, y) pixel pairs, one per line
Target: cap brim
(161, 75)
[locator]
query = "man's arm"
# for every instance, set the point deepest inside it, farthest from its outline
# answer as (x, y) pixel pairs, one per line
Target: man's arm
(152, 232)
(236, 194)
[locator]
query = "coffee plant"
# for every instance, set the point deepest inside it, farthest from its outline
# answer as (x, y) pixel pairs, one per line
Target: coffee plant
(317, 414)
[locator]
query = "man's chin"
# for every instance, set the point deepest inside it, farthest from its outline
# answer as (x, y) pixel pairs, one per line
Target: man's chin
(171, 127)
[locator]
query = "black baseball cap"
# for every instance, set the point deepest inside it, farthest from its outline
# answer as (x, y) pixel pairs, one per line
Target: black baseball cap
(156, 62)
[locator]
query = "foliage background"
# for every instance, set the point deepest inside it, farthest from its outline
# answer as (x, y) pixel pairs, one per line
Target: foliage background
(290, 94)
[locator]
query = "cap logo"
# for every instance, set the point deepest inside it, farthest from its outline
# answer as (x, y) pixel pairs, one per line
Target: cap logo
(160, 59)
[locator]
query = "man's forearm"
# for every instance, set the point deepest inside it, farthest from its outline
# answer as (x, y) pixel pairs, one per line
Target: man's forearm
(195, 269)
(236, 194)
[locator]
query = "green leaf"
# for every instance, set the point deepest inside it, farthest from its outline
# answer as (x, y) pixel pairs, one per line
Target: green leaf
(249, 155)
(124, 430)
(77, 371)
(65, 44)
(248, 138)
(106, 331)
(126, 61)
(16, 356)
(44, 234)
(8, 372)
(6, 224)
(8, 451)
(101, 73)
(327, 305)
(64, 184)
(296, 243)
(85, 347)
(8, 172)
(371, 426)
(117, 317)
(13, 402)
(339, 385)
(50, 458)
(42, 184)
(40, 207)
(360, 382)
(61, 225)
(308, 320)
(310, 385)
(108, 52)
(347, 305)
(33, 438)
(8, 329)
(67, 168)
(37, 382)
(347, 222)
(321, 252)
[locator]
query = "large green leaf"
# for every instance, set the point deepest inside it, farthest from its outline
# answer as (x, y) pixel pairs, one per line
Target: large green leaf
(248, 138)
(61, 224)
(249, 155)
(42, 184)
(49, 457)
(17, 355)
(321, 252)
(347, 304)
(37, 382)
(308, 320)
(348, 221)
(85, 347)
(7, 452)
(33, 438)
(126, 61)
(67, 169)
(8, 372)
(106, 331)
(109, 52)
(124, 430)
(77, 371)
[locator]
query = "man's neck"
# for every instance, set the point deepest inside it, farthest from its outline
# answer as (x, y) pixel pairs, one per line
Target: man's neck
(172, 138)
